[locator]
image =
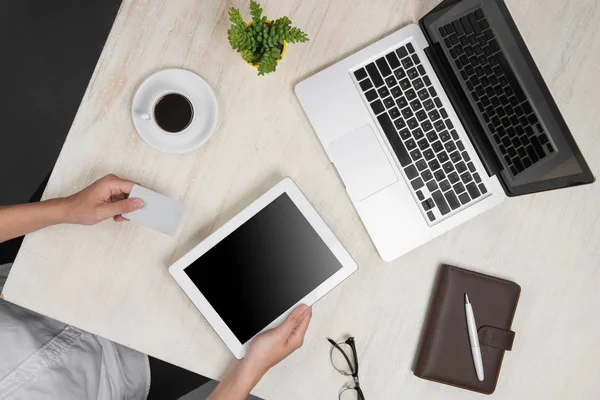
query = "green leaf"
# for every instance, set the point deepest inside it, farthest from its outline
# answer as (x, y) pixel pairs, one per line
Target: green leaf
(255, 11)
(239, 38)
(282, 23)
(282, 26)
(276, 53)
(249, 56)
(295, 35)
(235, 17)
(267, 64)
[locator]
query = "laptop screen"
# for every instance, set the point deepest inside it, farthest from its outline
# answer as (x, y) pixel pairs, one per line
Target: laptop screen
(507, 105)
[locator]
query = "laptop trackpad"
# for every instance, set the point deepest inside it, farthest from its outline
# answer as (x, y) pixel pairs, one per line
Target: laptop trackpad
(362, 164)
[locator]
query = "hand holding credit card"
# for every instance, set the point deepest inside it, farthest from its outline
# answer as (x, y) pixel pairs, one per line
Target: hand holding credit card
(160, 212)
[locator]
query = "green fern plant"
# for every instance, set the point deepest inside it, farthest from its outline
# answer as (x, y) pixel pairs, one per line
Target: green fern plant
(260, 42)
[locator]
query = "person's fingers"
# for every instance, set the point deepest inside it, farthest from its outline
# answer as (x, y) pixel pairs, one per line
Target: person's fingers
(297, 337)
(118, 185)
(121, 207)
(119, 218)
(294, 319)
(119, 197)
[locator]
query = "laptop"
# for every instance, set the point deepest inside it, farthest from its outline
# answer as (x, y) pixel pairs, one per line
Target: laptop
(439, 122)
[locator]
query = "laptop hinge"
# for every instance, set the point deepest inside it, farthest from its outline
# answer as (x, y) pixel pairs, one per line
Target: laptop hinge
(461, 103)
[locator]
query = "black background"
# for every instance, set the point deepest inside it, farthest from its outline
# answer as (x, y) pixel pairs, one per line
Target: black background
(263, 268)
(48, 52)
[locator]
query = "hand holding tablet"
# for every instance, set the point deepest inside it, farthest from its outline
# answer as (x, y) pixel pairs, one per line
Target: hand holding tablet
(265, 351)
(249, 275)
(271, 347)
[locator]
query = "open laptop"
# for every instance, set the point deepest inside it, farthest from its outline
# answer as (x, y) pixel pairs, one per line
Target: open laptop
(438, 122)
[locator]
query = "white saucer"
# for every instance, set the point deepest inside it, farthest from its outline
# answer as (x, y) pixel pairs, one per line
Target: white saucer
(202, 97)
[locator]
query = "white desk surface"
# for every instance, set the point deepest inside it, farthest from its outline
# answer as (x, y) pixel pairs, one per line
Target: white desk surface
(112, 279)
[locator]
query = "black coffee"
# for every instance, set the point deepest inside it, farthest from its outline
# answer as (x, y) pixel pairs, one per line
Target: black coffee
(173, 112)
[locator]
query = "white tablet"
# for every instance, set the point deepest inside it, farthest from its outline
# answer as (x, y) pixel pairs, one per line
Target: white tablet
(250, 274)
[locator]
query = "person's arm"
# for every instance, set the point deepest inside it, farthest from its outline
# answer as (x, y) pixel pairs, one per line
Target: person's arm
(265, 351)
(103, 199)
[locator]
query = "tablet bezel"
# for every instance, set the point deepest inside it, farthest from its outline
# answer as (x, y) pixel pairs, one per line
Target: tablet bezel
(288, 187)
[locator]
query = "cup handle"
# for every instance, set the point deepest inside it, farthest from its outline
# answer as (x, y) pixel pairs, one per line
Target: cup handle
(144, 116)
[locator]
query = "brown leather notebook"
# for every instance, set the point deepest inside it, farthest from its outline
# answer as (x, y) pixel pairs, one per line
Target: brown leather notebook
(444, 353)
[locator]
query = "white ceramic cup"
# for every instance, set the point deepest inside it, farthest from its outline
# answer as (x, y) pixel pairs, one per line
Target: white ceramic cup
(148, 115)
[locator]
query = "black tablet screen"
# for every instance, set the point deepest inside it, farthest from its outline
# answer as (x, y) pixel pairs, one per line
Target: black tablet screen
(263, 268)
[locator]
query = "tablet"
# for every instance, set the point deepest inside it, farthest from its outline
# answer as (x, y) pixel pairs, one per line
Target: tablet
(252, 272)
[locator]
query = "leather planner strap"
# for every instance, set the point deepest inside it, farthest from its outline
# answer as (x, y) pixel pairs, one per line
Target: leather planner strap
(496, 338)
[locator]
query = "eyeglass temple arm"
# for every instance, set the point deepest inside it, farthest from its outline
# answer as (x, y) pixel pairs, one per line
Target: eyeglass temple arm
(351, 342)
(361, 395)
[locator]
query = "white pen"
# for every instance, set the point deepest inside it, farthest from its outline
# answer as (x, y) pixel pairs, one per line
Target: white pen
(474, 339)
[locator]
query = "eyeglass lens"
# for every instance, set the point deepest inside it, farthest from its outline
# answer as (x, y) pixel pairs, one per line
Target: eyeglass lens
(343, 363)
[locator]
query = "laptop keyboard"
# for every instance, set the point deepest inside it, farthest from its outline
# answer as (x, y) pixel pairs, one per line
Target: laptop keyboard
(439, 170)
(493, 86)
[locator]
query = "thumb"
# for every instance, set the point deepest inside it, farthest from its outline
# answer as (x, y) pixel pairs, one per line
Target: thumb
(294, 319)
(121, 207)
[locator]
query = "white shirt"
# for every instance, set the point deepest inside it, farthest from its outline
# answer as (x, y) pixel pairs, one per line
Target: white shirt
(41, 358)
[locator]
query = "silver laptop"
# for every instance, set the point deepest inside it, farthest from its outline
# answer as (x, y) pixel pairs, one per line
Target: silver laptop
(439, 122)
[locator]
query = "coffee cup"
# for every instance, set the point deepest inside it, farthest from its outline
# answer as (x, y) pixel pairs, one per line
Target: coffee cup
(171, 111)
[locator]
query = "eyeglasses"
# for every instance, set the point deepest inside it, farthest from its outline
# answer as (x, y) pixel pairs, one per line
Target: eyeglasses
(345, 360)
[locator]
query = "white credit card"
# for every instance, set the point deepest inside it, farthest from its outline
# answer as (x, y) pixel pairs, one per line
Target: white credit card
(160, 212)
